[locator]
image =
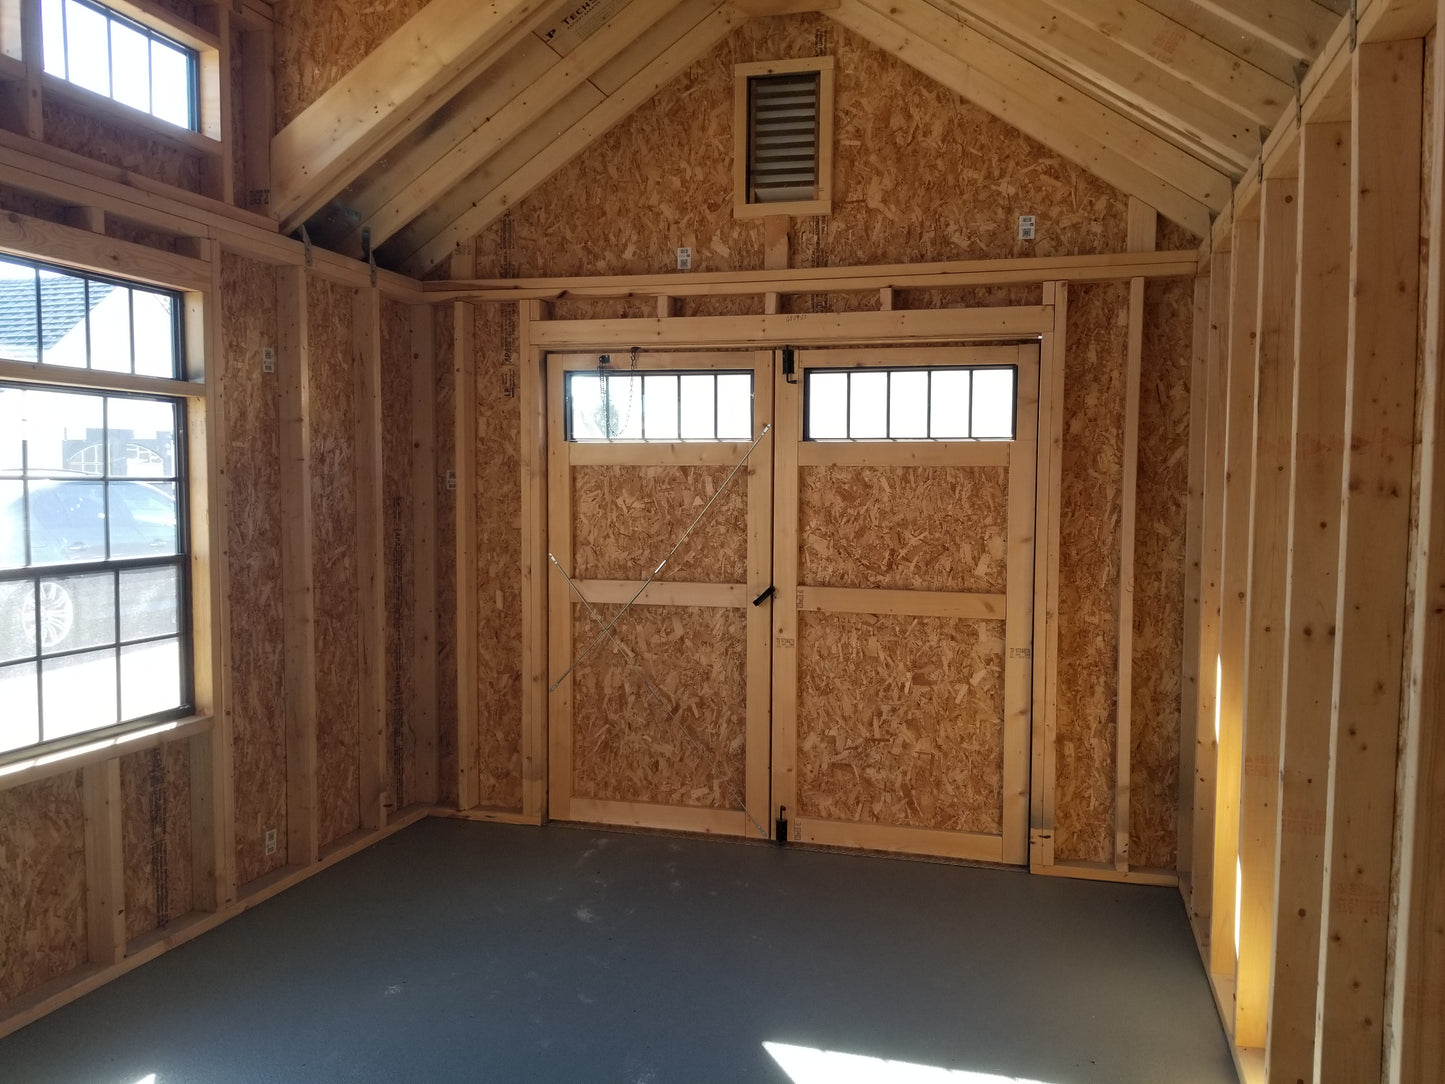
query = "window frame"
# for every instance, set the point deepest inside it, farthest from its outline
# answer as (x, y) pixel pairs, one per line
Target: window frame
(822, 201)
(608, 374)
(849, 371)
(178, 393)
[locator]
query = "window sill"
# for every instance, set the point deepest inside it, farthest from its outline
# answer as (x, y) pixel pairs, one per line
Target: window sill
(22, 766)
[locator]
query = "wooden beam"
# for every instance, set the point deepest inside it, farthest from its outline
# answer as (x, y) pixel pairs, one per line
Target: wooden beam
(464, 362)
(389, 94)
(1143, 226)
(1298, 27)
(494, 130)
(1239, 456)
(1317, 456)
(1128, 505)
(532, 464)
(1373, 584)
(481, 211)
(1265, 618)
(423, 785)
(36, 238)
(293, 359)
(1164, 42)
(371, 558)
(1155, 95)
(1415, 1043)
(104, 863)
(1068, 122)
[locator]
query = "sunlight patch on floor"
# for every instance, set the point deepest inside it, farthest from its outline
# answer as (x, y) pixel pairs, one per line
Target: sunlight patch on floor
(804, 1065)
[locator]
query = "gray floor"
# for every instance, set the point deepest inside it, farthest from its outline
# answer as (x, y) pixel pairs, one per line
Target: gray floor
(458, 951)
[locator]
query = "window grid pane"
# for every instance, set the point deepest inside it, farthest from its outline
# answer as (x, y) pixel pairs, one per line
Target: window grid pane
(653, 406)
(938, 403)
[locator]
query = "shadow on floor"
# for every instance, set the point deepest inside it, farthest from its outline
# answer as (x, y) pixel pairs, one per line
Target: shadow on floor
(465, 951)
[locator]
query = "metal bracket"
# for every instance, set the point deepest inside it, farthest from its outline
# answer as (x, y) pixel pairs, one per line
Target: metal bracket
(1354, 24)
(790, 366)
(306, 242)
(1300, 69)
(370, 252)
(1263, 135)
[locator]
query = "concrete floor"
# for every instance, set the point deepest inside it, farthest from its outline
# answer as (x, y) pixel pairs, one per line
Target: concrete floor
(461, 951)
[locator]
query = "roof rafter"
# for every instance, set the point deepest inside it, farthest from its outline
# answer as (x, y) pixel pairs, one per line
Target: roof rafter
(392, 91)
(1299, 27)
(1117, 150)
(1100, 66)
(554, 153)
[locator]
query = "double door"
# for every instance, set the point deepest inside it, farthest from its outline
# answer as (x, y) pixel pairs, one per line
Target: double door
(796, 591)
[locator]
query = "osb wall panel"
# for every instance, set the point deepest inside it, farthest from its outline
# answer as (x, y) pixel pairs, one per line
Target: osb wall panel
(397, 539)
(319, 41)
(900, 720)
(628, 518)
(334, 580)
(919, 174)
(1095, 358)
(446, 516)
(42, 892)
(1162, 496)
(74, 130)
(625, 745)
(918, 528)
(253, 524)
(499, 559)
(155, 788)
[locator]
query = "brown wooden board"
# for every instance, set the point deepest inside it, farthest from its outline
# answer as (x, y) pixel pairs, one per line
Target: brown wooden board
(156, 836)
(446, 535)
(919, 528)
(499, 559)
(663, 177)
(42, 894)
(319, 41)
(629, 748)
(397, 547)
(900, 721)
(628, 518)
(334, 590)
(72, 129)
(248, 327)
(1089, 511)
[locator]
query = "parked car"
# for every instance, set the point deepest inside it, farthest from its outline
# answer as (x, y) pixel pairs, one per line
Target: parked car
(68, 526)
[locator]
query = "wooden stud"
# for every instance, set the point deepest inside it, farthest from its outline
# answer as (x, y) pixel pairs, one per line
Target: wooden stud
(1265, 618)
(1143, 226)
(535, 570)
(104, 863)
(1123, 736)
(885, 299)
(788, 409)
(1317, 457)
(757, 751)
(293, 358)
(1239, 454)
(1375, 527)
(258, 79)
(371, 561)
(666, 306)
(558, 598)
(775, 242)
(422, 787)
(464, 361)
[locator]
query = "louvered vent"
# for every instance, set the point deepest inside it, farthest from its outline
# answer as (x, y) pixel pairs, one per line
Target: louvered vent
(783, 137)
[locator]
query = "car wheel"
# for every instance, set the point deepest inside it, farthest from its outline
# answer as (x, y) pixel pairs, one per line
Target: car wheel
(57, 615)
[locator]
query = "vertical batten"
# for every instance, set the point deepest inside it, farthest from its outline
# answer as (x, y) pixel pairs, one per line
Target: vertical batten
(1375, 525)
(1317, 455)
(1264, 635)
(422, 787)
(1129, 499)
(104, 863)
(370, 558)
(464, 369)
(535, 573)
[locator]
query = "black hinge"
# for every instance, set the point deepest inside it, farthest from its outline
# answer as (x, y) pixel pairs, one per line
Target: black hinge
(790, 370)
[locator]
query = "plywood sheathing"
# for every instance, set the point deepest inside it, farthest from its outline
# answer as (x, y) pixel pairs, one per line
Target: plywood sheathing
(446, 536)
(1095, 358)
(628, 518)
(1162, 495)
(155, 787)
(919, 174)
(1172, 237)
(397, 552)
(334, 590)
(915, 528)
(42, 895)
(499, 559)
(626, 747)
(74, 130)
(253, 486)
(319, 41)
(900, 720)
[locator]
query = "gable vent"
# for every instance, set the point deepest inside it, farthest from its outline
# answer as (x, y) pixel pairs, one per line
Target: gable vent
(783, 137)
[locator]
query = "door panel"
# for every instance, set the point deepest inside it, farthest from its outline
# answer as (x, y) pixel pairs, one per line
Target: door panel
(902, 626)
(667, 725)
